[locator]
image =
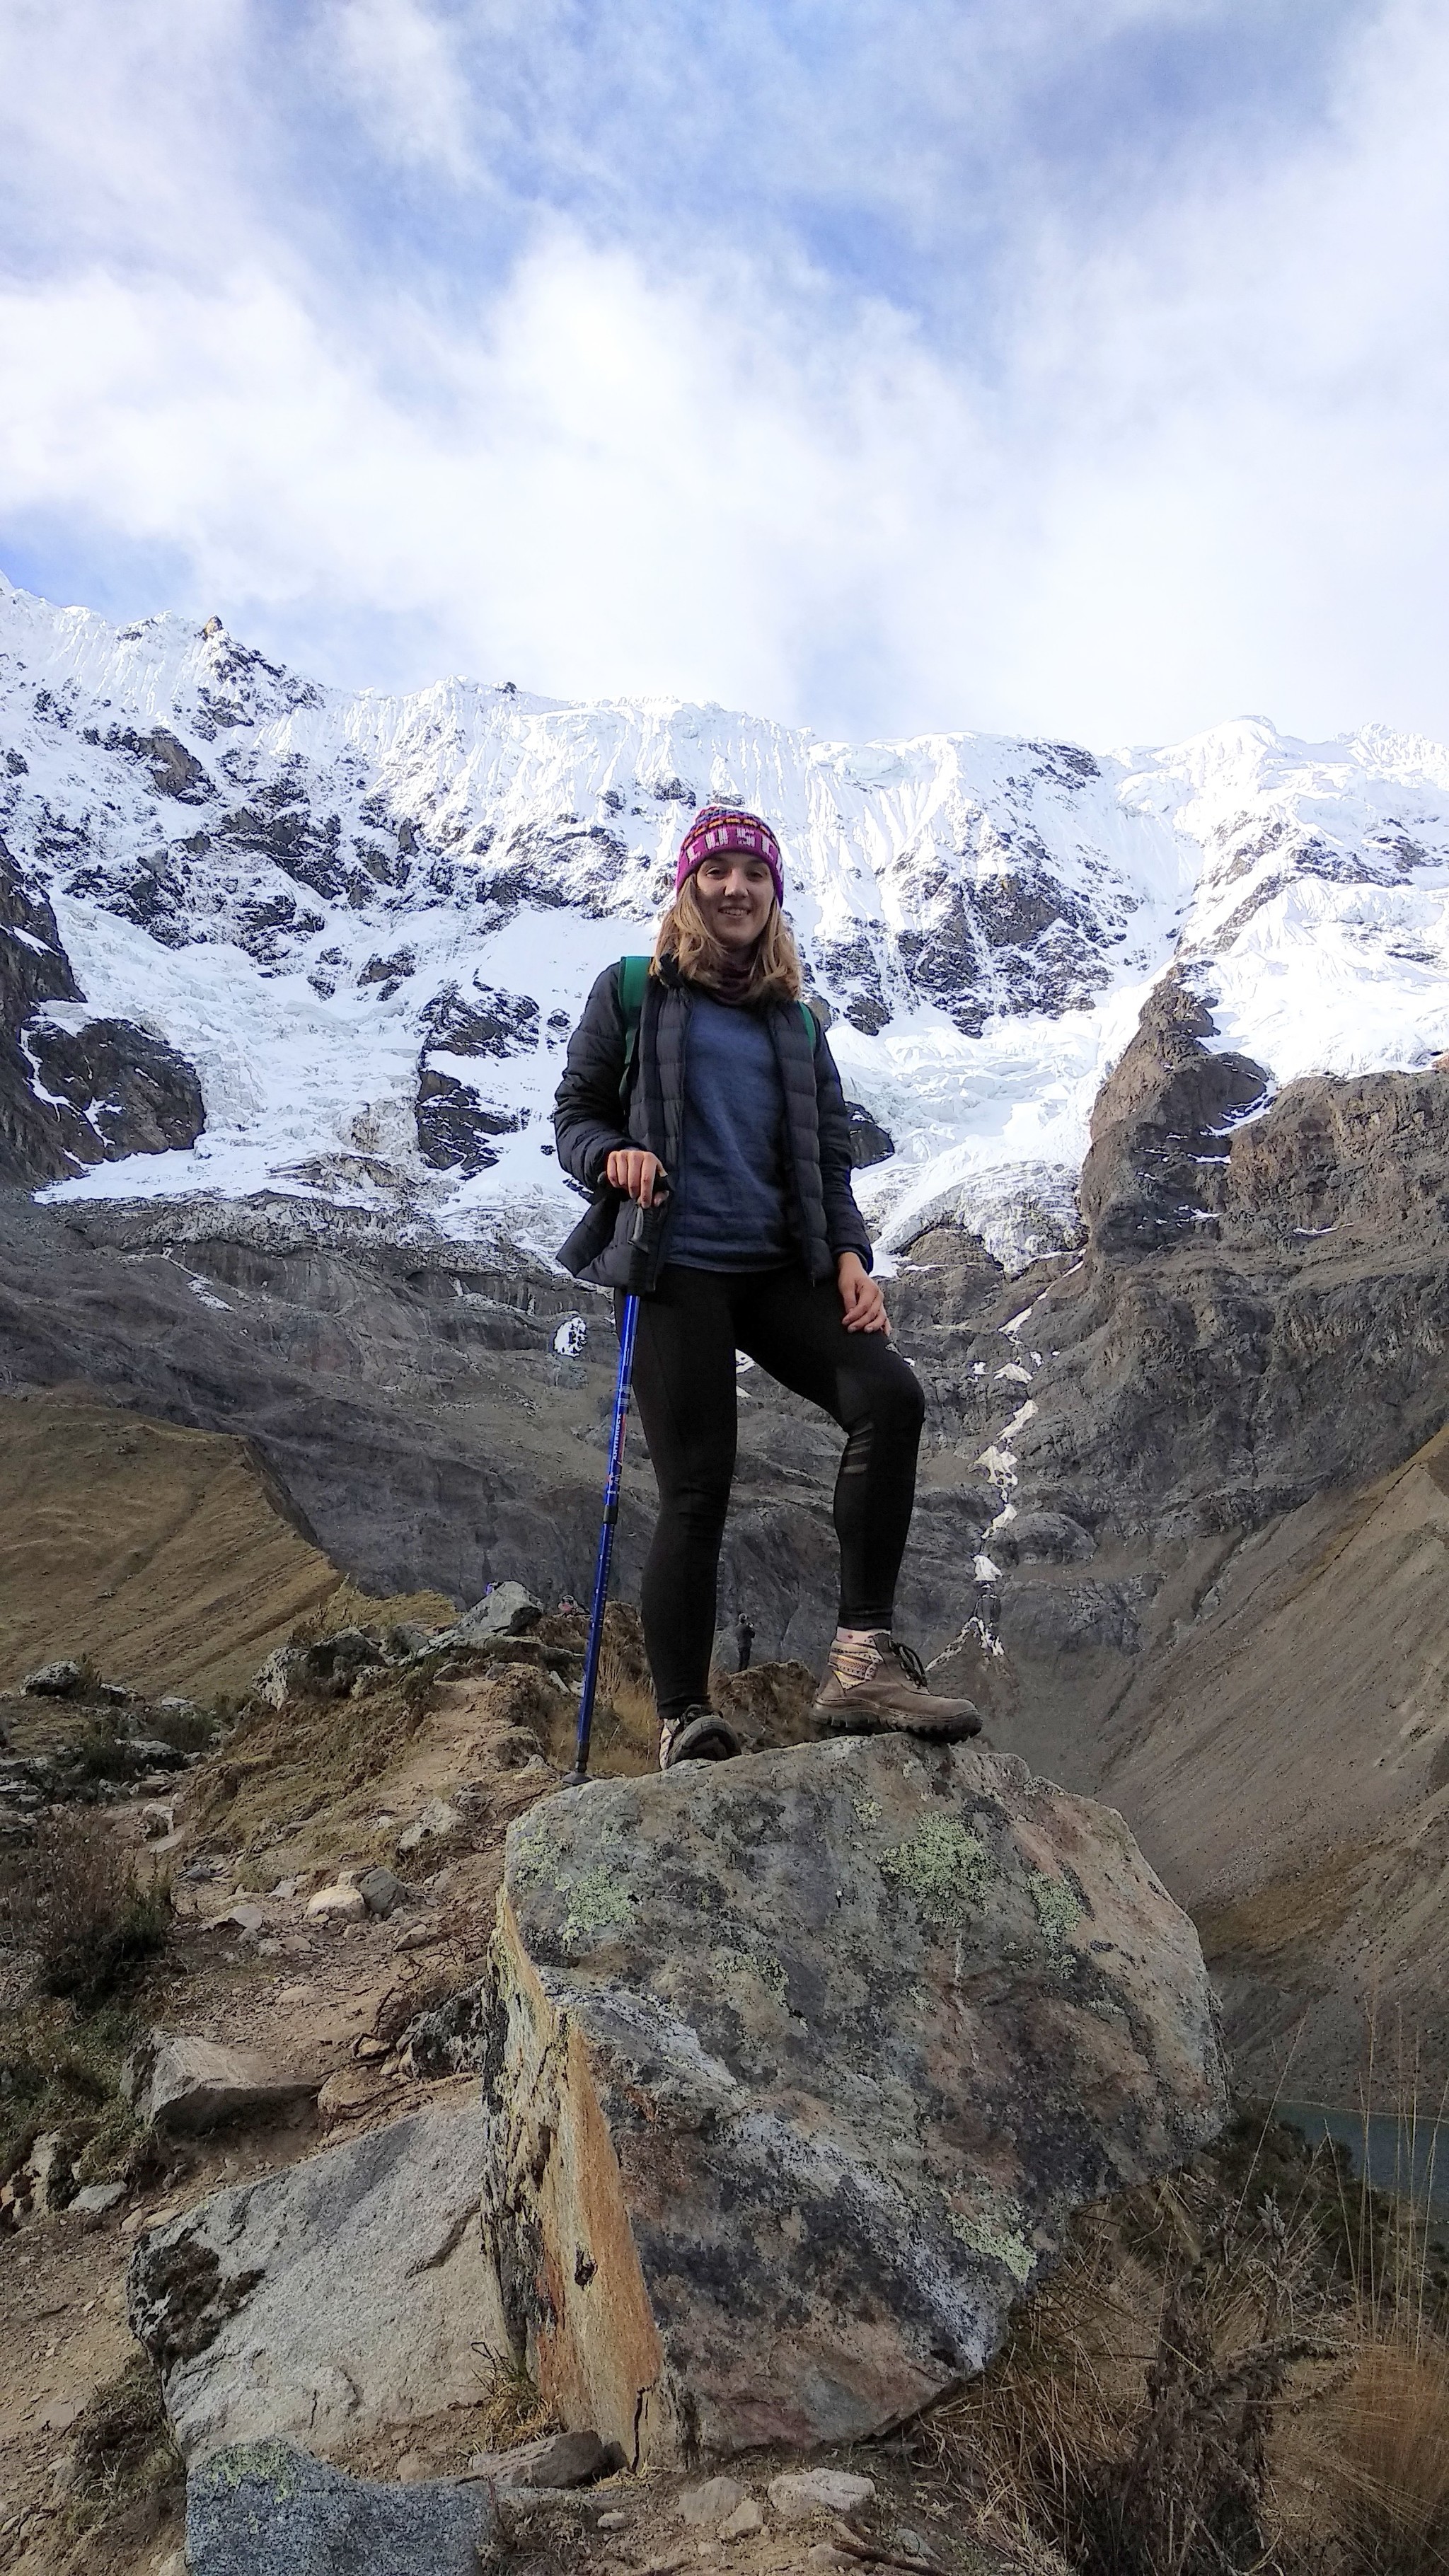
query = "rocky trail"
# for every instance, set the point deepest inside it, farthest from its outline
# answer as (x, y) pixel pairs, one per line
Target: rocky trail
(308, 2156)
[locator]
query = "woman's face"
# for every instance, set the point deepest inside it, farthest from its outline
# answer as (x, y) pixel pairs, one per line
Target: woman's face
(734, 893)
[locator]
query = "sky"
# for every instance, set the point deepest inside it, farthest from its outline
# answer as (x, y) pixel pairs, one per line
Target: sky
(1060, 367)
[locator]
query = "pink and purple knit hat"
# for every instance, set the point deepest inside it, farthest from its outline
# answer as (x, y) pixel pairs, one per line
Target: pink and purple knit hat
(729, 827)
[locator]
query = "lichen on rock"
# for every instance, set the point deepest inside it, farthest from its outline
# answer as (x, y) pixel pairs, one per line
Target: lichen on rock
(943, 1865)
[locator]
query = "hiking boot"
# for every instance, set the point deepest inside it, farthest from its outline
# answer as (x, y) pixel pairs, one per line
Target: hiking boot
(876, 1685)
(700, 1735)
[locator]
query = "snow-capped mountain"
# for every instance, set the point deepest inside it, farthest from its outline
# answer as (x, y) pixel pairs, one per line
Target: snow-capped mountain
(367, 922)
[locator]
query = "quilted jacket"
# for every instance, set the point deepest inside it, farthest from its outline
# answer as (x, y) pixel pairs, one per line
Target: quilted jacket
(590, 1120)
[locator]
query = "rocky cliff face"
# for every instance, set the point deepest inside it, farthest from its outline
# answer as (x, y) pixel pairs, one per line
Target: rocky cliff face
(1254, 1332)
(89, 1092)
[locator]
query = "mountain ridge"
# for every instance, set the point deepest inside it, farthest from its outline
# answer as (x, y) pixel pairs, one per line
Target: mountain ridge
(366, 921)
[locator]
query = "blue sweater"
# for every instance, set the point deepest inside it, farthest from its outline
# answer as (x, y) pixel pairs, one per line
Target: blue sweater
(729, 1208)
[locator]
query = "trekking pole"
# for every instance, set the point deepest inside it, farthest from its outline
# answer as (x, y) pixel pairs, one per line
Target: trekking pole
(628, 1329)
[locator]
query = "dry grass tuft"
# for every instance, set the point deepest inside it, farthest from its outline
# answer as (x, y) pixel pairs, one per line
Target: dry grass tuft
(512, 2408)
(77, 1901)
(62, 2070)
(1130, 2424)
(124, 2454)
(1379, 2453)
(1243, 2371)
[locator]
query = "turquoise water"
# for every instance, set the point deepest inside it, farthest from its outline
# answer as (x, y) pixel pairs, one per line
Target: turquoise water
(1396, 2152)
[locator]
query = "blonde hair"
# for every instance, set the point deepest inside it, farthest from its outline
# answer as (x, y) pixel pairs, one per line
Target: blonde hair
(685, 936)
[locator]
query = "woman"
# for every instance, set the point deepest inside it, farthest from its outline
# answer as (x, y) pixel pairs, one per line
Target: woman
(720, 1110)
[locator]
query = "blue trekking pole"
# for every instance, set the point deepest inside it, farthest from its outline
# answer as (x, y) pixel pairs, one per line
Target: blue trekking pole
(628, 1329)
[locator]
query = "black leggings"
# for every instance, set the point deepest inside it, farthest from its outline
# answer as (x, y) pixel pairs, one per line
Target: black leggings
(684, 1379)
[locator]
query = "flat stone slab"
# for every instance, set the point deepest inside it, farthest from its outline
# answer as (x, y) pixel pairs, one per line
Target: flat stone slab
(347, 2292)
(800, 2064)
(184, 2085)
(264, 2509)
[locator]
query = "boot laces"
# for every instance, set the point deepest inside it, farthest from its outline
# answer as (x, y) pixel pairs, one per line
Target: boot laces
(910, 1662)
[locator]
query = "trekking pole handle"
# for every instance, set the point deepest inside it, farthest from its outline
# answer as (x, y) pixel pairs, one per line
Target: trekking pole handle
(639, 1231)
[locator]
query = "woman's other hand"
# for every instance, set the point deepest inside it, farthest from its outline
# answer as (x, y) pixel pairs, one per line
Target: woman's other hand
(863, 1303)
(636, 1173)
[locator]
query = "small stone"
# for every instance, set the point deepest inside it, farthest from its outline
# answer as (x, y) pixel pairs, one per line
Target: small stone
(506, 1610)
(746, 2518)
(247, 1918)
(61, 2413)
(286, 1887)
(436, 1818)
(409, 2468)
(555, 2461)
(613, 2522)
(706, 2506)
(802, 2492)
(823, 2553)
(337, 1904)
(95, 2198)
(60, 1680)
(380, 1891)
(301, 1993)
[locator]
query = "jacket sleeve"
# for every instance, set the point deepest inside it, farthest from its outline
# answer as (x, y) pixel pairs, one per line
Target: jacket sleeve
(588, 1122)
(844, 1224)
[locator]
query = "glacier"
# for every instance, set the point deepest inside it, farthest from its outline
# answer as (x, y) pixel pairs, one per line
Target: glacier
(368, 921)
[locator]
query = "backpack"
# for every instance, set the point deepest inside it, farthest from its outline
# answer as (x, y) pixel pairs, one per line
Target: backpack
(633, 981)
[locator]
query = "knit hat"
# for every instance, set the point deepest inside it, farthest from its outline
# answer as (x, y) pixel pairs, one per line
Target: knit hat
(729, 827)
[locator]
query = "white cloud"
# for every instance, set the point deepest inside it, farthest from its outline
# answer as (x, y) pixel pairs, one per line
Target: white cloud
(397, 60)
(1199, 471)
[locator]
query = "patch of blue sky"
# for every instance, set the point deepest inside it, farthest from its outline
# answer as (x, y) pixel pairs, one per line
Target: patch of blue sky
(896, 151)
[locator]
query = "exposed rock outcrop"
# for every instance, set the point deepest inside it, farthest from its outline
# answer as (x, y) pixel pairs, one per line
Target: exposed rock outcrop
(70, 1097)
(34, 970)
(798, 2069)
(135, 1094)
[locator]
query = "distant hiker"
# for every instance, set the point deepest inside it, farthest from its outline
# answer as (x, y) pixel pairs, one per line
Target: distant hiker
(699, 1084)
(744, 1643)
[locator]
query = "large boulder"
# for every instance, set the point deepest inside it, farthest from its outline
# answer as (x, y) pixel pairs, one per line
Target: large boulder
(799, 2067)
(345, 2293)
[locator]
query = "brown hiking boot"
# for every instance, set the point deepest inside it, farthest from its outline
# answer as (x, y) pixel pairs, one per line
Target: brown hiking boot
(876, 1685)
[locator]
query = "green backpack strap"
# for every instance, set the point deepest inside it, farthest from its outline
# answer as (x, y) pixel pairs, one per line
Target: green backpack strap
(633, 984)
(633, 981)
